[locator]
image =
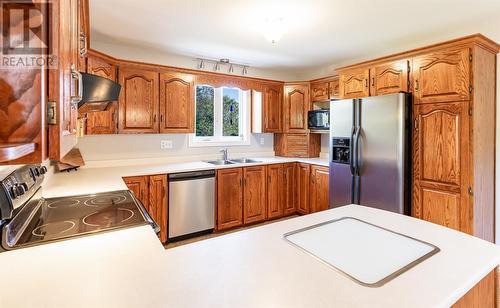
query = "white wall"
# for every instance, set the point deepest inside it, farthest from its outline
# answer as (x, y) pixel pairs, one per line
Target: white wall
(123, 147)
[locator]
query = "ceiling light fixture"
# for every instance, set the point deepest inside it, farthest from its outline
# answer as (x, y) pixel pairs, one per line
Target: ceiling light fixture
(245, 71)
(274, 29)
(231, 69)
(222, 64)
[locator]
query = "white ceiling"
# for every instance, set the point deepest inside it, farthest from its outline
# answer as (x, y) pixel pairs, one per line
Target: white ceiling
(319, 32)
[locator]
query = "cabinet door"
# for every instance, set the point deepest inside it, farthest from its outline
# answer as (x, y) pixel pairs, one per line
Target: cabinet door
(138, 101)
(229, 198)
(254, 194)
(176, 103)
(63, 84)
(289, 189)
(319, 92)
(295, 108)
(440, 164)
(102, 122)
(275, 191)
(101, 67)
(158, 203)
(389, 78)
(354, 84)
(272, 109)
(303, 176)
(319, 189)
(442, 76)
(333, 89)
(139, 186)
(84, 32)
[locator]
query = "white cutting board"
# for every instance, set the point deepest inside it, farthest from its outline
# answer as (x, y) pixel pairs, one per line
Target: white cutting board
(368, 254)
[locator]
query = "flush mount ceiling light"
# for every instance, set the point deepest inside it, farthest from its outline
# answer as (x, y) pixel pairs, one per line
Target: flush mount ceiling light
(274, 29)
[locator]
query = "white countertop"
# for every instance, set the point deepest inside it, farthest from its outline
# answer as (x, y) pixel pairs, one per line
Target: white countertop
(251, 268)
(96, 180)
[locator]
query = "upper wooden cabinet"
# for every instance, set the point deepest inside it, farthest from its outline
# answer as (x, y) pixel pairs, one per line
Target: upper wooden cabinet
(176, 103)
(296, 105)
(102, 122)
(319, 189)
(254, 194)
(101, 66)
(139, 107)
(441, 164)
(389, 78)
(320, 91)
(334, 88)
(354, 83)
(229, 198)
(272, 97)
(442, 76)
(275, 191)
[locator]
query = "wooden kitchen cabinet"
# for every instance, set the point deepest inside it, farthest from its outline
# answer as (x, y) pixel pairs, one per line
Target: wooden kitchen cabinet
(442, 76)
(354, 83)
(84, 33)
(320, 91)
(289, 189)
(296, 106)
(101, 65)
(272, 97)
(389, 78)
(297, 145)
(229, 198)
(254, 194)
(441, 164)
(176, 103)
(334, 88)
(152, 192)
(319, 189)
(157, 207)
(139, 185)
(303, 183)
(139, 104)
(275, 191)
(102, 122)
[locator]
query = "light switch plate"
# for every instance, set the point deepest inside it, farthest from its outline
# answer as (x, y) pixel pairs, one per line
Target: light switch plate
(166, 144)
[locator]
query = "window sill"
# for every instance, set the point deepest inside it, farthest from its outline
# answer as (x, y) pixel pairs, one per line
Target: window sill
(193, 143)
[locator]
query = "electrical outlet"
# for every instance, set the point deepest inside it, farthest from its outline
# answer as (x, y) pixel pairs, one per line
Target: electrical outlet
(166, 144)
(262, 141)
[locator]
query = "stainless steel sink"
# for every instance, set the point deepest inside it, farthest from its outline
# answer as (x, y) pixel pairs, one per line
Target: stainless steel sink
(220, 162)
(245, 161)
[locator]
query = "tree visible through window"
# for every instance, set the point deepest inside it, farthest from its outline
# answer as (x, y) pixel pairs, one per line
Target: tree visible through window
(221, 115)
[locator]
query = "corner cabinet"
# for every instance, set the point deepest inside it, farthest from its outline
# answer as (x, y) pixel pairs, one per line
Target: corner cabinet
(296, 106)
(176, 103)
(139, 107)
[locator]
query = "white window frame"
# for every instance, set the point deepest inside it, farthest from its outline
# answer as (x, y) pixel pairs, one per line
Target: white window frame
(243, 118)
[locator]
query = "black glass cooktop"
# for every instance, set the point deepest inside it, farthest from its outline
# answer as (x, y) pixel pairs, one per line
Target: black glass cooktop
(61, 218)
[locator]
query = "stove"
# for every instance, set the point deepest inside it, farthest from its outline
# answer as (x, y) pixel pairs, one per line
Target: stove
(38, 221)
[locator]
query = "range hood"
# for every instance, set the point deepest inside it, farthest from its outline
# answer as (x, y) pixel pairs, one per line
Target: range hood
(97, 93)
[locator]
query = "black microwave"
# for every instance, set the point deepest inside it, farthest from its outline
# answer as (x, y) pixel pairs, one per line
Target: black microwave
(319, 119)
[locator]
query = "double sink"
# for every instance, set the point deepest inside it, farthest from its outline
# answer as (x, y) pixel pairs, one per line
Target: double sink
(233, 161)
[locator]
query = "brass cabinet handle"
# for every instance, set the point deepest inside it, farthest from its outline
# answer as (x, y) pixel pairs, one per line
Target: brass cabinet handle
(366, 83)
(416, 84)
(373, 81)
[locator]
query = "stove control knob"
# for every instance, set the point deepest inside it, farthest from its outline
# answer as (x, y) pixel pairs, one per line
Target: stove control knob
(14, 193)
(36, 171)
(21, 189)
(43, 170)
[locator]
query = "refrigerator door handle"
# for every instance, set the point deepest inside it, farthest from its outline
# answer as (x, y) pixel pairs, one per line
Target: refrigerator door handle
(355, 152)
(352, 150)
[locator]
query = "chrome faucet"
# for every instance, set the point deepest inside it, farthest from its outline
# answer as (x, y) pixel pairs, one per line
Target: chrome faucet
(224, 154)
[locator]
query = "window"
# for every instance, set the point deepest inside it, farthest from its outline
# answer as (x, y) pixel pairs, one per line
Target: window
(222, 116)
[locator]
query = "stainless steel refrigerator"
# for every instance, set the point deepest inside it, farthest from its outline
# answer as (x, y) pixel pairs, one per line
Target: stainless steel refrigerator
(370, 152)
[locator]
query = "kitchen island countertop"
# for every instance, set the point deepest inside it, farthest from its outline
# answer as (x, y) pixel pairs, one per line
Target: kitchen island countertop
(250, 268)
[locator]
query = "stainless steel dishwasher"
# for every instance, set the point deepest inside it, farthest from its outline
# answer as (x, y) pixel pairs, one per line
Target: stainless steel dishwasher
(191, 203)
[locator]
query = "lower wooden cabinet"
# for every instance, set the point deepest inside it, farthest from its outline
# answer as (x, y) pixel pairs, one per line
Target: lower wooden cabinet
(229, 198)
(319, 189)
(303, 176)
(275, 191)
(289, 189)
(152, 192)
(254, 194)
